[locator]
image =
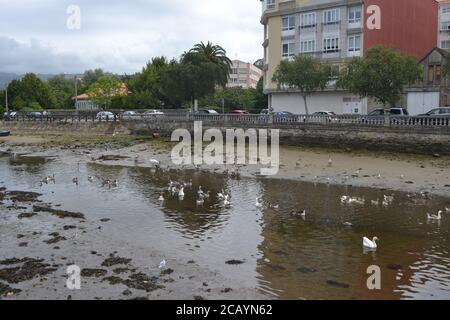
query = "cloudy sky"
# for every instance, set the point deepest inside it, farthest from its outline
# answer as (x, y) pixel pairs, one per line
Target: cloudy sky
(121, 36)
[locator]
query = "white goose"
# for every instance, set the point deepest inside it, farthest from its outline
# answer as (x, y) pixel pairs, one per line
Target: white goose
(370, 244)
(435, 217)
(154, 162)
(181, 193)
(162, 264)
(258, 204)
(161, 197)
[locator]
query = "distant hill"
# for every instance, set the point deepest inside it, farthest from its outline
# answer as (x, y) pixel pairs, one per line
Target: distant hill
(6, 77)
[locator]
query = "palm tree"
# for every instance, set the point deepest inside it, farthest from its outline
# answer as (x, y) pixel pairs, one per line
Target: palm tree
(218, 56)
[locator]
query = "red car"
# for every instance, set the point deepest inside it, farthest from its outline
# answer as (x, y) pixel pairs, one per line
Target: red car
(239, 115)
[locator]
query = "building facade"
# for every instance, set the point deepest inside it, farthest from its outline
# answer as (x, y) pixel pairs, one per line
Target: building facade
(244, 75)
(433, 91)
(335, 31)
(444, 25)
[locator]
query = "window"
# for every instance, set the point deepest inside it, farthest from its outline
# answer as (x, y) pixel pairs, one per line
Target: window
(288, 23)
(445, 25)
(445, 44)
(430, 74)
(308, 46)
(288, 49)
(233, 70)
(270, 4)
(331, 16)
(354, 43)
(243, 71)
(331, 45)
(438, 73)
(354, 14)
(308, 20)
(446, 9)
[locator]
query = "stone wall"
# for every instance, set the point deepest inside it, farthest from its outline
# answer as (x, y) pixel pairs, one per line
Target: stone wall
(397, 139)
(79, 128)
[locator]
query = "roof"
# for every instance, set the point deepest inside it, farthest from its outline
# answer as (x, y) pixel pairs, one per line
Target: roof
(123, 92)
(443, 52)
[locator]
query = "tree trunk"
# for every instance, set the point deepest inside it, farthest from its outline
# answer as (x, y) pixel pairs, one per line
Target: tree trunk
(306, 105)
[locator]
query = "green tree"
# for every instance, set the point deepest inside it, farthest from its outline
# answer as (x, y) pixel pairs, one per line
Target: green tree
(381, 74)
(63, 89)
(216, 55)
(262, 100)
(92, 76)
(146, 86)
(193, 78)
(104, 90)
(29, 92)
(305, 74)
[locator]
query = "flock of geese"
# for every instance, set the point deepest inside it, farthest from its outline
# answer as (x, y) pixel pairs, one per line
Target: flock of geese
(387, 201)
(178, 190)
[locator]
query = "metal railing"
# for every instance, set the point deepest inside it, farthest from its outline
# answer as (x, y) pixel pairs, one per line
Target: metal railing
(295, 120)
(243, 119)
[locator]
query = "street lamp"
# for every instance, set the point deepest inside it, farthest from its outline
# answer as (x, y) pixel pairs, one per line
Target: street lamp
(6, 100)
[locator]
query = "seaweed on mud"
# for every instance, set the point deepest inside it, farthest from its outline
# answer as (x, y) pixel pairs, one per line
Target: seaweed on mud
(5, 290)
(113, 280)
(234, 262)
(167, 271)
(27, 215)
(56, 238)
(13, 261)
(23, 196)
(122, 270)
(59, 213)
(89, 273)
(27, 271)
(112, 261)
(111, 157)
(141, 281)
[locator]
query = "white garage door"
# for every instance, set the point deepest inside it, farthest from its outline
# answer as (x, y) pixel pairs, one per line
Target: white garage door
(422, 102)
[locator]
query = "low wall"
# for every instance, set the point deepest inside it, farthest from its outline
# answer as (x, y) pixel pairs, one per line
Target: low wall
(397, 139)
(79, 128)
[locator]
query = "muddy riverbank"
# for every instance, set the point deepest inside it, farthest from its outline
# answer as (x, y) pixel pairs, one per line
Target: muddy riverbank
(381, 170)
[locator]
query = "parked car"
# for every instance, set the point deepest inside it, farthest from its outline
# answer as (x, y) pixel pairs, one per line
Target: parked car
(206, 111)
(434, 116)
(378, 114)
(105, 115)
(327, 116)
(279, 116)
(34, 115)
(154, 112)
(238, 112)
(10, 116)
(392, 112)
(129, 115)
(439, 112)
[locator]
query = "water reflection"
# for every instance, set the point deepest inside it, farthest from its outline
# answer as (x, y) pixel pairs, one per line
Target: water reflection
(284, 256)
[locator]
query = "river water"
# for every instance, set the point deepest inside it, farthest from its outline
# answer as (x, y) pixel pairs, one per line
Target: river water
(284, 257)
